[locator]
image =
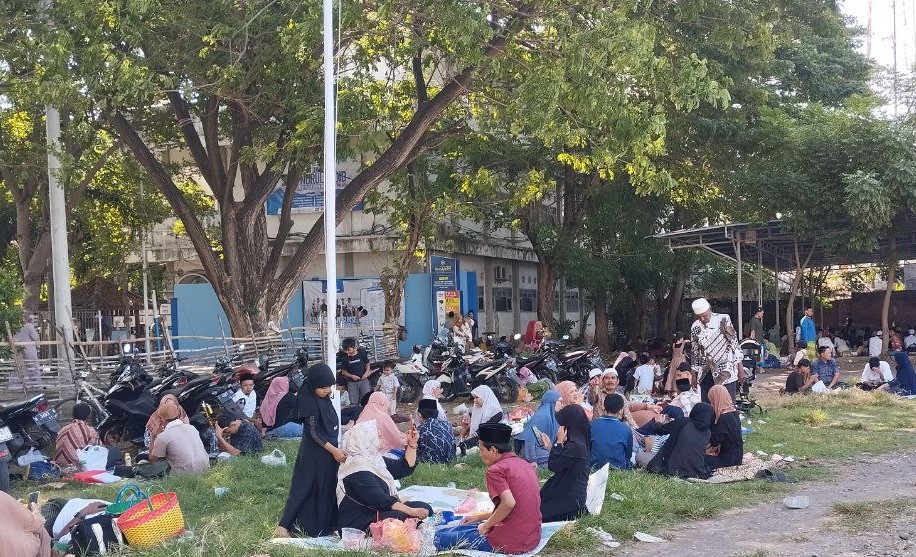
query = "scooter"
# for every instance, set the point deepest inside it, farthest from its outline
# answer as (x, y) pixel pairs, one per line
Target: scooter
(29, 424)
(128, 402)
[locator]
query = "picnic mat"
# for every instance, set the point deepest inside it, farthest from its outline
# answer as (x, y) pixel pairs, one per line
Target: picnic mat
(446, 498)
(332, 543)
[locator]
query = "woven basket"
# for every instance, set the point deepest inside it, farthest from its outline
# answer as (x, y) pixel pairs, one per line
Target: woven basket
(152, 521)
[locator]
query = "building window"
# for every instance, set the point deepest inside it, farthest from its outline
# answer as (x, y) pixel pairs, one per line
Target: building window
(528, 300)
(572, 301)
(502, 299)
(480, 306)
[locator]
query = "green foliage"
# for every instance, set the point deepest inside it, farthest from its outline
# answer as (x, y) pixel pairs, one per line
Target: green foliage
(10, 291)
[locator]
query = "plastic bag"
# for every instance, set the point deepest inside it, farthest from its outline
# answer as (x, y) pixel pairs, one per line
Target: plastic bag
(34, 455)
(819, 388)
(276, 458)
(399, 536)
(597, 485)
(94, 457)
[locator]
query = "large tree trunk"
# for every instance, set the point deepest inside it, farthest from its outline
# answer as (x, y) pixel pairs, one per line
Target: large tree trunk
(669, 304)
(886, 304)
(601, 322)
(547, 280)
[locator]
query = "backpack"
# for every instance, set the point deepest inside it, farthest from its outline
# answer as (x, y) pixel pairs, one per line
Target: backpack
(98, 535)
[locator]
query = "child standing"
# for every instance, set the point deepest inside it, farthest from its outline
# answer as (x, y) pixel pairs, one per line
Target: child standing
(515, 524)
(389, 385)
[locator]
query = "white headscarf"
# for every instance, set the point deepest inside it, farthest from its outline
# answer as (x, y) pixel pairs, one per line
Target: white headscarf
(361, 443)
(428, 395)
(487, 410)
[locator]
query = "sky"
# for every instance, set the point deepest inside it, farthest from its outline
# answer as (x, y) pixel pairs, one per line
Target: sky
(882, 17)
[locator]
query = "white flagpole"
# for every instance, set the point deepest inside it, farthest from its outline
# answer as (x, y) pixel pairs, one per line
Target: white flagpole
(330, 192)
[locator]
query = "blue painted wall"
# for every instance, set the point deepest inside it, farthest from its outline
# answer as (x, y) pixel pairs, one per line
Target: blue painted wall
(468, 285)
(418, 311)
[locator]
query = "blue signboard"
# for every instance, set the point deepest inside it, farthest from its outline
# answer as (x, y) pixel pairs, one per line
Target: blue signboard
(309, 196)
(444, 271)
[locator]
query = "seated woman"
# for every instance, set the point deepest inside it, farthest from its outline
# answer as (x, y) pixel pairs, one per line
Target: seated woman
(563, 496)
(570, 394)
(376, 410)
(726, 446)
(684, 454)
(278, 410)
(432, 390)
(365, 482)
(24, 533)
(486, 410)
(544, 420)
(904, 383)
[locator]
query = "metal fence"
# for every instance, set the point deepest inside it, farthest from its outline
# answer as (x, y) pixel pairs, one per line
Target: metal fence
(56, 377)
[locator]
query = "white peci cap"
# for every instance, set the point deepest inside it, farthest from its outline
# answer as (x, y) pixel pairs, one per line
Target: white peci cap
(701, 306)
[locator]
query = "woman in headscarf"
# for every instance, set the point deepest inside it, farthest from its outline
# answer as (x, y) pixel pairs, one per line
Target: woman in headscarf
(155, 425)
(904, 382)
(278, 410)
(311, 507)
(486, 409)
(23, 530)
(432, 390)
(545, 420)
(570, 394)
(726, 446)
(366, 490)
(684, 454)
(563, 496)
(390, 437)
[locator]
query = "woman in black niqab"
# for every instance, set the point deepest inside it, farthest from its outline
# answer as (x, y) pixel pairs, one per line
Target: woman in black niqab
(311, 507)
(684, 454)
(563, 496)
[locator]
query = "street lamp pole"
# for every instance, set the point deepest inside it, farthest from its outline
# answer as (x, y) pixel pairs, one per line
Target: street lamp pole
(330, 190)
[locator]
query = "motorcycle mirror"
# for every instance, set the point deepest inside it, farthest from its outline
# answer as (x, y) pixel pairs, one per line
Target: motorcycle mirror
(241, 348)
(565, 337)
(126, 348)
(517, 336)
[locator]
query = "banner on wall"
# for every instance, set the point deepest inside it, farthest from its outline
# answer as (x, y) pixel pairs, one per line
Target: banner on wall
(309, 196)
(446, 296)
(447, 301)
(360, 302)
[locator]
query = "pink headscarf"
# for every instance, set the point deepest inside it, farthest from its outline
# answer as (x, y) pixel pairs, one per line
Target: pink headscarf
(568, 393)
(279, 386)
(390, 437)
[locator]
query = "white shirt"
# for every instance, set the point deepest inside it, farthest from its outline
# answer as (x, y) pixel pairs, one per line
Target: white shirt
(910, 339)
(875, 345)
(715, 347)
(825, 341)
(869, 376)
(248, 402)
(841, 346)
(68, 512)
(645, 377)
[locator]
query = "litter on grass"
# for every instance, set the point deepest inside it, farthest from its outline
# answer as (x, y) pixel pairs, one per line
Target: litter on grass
(605, 538)
(643, 537)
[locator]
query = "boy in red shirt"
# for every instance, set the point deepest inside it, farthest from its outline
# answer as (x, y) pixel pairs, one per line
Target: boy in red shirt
(515, 524)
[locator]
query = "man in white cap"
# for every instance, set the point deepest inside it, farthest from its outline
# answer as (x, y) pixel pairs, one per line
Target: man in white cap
(876, 344)
(716, 352)
(591, 391)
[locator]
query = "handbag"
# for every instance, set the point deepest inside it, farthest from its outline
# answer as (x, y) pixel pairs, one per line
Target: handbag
(43, 470)
(125, 500)
(151, 521)
(95, 536)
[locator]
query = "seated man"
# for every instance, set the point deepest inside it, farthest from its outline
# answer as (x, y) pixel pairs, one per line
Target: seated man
(612, 440)
(514, 526)
(686, 397)
(78, 435)
(876, 373)
(644, 375)
(825, 368)
(800, 380)
(179, 444)
(236, 436)
(437, 439)
(246, 397)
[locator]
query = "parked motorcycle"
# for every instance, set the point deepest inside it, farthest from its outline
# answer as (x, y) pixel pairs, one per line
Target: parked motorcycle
(461, 373)
(128, 402)
(265, 375)
(29, 424)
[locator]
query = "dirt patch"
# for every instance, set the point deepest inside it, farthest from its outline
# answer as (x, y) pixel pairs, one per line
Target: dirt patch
(857, 512)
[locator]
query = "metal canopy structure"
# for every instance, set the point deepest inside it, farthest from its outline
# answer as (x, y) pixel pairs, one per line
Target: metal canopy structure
(772, 245)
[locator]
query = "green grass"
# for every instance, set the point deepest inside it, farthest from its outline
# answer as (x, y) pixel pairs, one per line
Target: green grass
(238, 523)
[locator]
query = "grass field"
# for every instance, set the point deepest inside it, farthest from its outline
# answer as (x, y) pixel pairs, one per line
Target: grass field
(812, 429)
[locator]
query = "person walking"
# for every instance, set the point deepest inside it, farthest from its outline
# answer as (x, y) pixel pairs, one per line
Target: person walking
(715, 349)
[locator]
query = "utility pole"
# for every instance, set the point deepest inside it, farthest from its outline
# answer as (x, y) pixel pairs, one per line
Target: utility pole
(60, 258)
(894, 43)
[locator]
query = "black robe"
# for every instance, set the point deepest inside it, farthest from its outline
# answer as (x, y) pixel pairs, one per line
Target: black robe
(286, 410)
(311, 507)
(563, 496)
(684, 454)
(368, 500)
(727, 434)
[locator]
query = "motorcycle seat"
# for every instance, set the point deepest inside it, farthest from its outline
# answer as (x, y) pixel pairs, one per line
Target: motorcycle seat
(19, 405)
(528, 360)
(141, 407)
(483, 365)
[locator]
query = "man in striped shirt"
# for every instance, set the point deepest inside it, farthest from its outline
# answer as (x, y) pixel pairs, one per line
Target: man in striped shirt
(716, 352)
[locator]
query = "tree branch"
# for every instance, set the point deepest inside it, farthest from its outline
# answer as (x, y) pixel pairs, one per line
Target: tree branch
(210, 123)
(192, 140)
(286, 224)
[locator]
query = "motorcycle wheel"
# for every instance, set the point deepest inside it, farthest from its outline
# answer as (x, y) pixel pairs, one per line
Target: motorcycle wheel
(505, 389)
(545, 373)
(410, 389)
(41, 437)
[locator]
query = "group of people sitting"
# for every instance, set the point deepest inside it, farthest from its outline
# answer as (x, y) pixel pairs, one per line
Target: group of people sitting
(823, 374)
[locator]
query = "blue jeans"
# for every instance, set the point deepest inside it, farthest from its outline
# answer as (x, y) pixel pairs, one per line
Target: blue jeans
(465, 536)
(289, 430)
